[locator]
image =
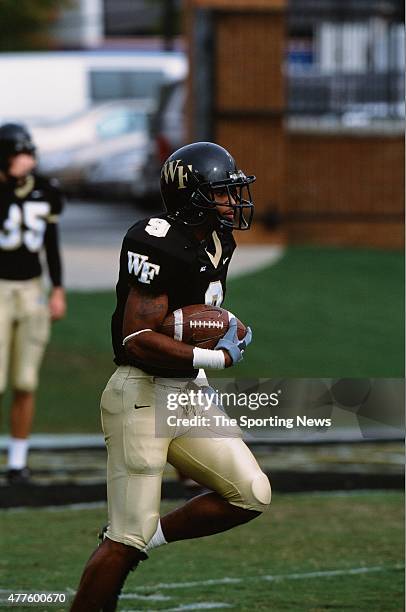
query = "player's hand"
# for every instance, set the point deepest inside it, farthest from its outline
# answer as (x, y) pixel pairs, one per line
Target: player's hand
(232, 344)
(57, 303)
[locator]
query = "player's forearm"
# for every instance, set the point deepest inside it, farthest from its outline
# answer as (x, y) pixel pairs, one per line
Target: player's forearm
(51, 243)
(156, 349)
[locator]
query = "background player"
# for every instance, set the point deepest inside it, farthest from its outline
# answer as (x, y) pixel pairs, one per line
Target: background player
(29, 209)
(168, 262)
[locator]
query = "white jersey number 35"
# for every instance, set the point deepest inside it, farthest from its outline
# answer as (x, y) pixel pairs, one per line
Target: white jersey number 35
(25, 226)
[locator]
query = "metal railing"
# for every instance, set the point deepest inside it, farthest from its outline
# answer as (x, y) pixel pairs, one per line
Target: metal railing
(346, 56)
(369, 95)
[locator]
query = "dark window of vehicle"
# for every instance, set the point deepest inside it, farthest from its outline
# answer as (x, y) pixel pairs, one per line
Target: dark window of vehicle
(114, 84)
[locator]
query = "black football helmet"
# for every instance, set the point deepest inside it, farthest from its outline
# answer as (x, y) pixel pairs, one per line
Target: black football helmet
(192, 174)
(14, 139)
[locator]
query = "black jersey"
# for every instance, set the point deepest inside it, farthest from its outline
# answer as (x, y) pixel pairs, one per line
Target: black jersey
(28, 216)
(163, 256)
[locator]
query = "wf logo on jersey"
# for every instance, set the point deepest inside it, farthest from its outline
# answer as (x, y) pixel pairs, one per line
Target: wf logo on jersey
(172, 170)
(141, 267)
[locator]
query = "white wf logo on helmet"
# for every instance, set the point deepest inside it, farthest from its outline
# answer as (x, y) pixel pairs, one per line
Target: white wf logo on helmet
(172, 169)
(141, 267)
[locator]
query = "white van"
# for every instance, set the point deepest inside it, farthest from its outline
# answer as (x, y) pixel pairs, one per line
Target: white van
(51, 85)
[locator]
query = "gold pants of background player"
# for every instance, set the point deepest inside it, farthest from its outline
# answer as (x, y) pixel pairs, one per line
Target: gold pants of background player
(24, 332)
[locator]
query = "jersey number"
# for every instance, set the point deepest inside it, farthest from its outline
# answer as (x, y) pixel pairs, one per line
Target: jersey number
(25, 226)
(214, 294)
(157, 227)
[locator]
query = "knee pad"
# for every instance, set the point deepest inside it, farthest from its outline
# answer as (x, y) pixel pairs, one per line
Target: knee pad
(253, 494)
(261, 491)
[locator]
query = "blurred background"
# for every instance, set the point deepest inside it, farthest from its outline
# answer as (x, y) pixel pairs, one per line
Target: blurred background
(307, 94)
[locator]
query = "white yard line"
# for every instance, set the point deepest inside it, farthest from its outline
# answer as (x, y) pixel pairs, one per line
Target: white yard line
(201, 605)
(153, 597)
(271, 577)
(211, 605)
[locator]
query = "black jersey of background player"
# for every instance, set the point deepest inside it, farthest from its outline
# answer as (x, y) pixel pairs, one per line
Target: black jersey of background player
(27, 219)
(163, 256)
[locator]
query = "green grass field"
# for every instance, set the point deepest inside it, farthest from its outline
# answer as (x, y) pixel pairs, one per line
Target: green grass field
(317, 313)
(324, 313)
(300, 535)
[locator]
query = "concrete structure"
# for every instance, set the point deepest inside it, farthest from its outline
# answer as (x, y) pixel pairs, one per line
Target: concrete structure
(80, 25)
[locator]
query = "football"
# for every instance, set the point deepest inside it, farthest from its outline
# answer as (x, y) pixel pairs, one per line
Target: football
(199, 325)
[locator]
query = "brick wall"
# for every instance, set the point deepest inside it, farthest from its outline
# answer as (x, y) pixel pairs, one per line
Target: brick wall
(345, 189)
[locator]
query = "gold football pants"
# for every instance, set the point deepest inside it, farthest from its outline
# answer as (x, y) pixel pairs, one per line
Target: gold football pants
(221, 461)
(24, 332)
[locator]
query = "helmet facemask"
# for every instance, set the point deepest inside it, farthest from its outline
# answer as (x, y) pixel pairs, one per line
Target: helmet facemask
(238, 199)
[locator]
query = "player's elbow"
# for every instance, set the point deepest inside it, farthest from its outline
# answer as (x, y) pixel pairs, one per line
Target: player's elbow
(138, 346)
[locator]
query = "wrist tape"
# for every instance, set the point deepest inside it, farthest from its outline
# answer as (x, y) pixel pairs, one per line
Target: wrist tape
(207, 358)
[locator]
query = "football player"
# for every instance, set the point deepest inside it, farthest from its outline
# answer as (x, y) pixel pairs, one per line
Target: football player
(29, 209)
(167, 262)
